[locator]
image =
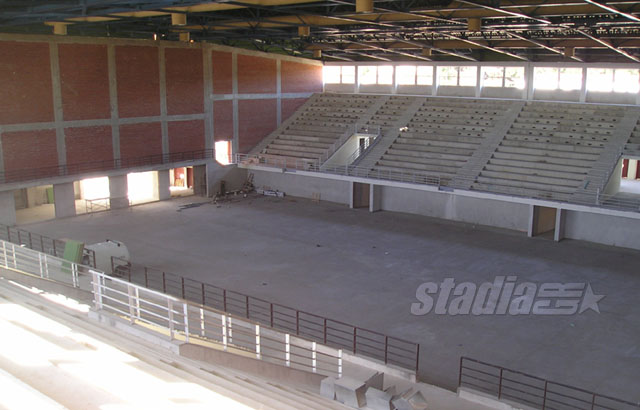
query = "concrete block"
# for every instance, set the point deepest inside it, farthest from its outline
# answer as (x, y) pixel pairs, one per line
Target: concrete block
(7, 208)
(328, 388)
(376, 381)
(65, 203)
(351, 392)
(378, 399)
(409, 400)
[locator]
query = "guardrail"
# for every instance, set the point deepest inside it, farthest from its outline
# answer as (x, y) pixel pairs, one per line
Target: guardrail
(457, 182)
(96, 166)
(185, 320)
(21, 258)
(373, 136)
(103, 204)
(40, 243)
(539, 393)
(391, 350)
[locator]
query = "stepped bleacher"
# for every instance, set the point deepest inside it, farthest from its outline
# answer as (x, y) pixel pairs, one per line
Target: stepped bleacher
(633, 145)
(388, 115)
(441, 137)
(318, 126)
(544, 150)
(549, 150)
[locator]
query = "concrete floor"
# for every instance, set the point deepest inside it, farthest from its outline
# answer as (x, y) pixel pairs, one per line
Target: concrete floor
(364, 269)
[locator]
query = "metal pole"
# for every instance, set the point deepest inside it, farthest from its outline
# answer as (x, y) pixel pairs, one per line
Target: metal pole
(460, 372)
(131, 308)
(170, 311)
(313, 356)
(386, 349)
(544, 397)
(203, 297)
(271, 312)
(186, 321)
(258, 341)
(287, 350)
(500, 384)
(182, 280)
(223, 318)
(325, 330)
(355, 330)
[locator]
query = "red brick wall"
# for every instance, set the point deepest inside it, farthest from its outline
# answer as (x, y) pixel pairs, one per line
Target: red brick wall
(289, 106)
(186, 136)
(185, 89)
(89, 144)
(139, 140)
(26, 94)
(222, 72)
(256, 75)
(223, 120)
(300, 78)
(29, 149)
(138, 79)
(257, 119)
(84, 81)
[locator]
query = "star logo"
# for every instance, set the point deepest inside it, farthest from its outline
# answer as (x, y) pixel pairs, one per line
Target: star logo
(590, 300)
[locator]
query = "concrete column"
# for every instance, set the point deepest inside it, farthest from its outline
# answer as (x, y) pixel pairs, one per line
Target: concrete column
(200, 180)
(633, 168)
(561, 216)
(118, 192)
(375, 198)
(351, 192)
(7, 208)
(64, 199)
(162, 191)
(212, 178)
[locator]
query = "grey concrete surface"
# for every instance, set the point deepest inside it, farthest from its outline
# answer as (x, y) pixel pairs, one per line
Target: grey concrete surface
(364, 268)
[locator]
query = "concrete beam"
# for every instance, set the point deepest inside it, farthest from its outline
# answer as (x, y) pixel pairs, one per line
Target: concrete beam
(64, 200)
(7, 208)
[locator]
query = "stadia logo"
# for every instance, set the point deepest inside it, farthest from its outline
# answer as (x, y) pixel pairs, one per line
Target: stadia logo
(504, 296)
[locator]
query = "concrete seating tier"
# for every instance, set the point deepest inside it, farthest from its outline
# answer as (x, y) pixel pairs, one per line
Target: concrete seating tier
(633, 145)
(442, 135)
(314, 130)
(549, 150)
(387, 116)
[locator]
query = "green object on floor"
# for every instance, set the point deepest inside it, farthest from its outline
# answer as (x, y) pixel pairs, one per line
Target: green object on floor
(50, 198)
(73, 251)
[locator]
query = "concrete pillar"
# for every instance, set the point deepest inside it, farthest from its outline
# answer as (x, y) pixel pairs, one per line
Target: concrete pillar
(633, 168)
(161, 191)
(200, 180)
(64, 199)
(375, 198)
(561, 216)
(613, 186)
(351, 192)
(118, 192)
(532, 220)
(7, 208)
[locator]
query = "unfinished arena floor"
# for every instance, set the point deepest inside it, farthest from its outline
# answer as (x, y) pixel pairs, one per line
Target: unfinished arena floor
(364, 269)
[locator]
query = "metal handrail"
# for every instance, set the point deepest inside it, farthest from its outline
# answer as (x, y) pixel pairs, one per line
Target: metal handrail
(530, 390)
(107, 165)
(178, 316)
(448, 182)
(40, 243)
(370, 142)
(330, 332)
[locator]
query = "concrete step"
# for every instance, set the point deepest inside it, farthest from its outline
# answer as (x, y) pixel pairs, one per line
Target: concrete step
(426, 154)
(429, 125)
(434, 148)
(557, 122)
(438, 169)
(407, 170)
(548, 146)
(557, 140)
(422, 160)
(293, 154)
(281, 146)
(540, 165)
(427, 132)
(442, 137)
(437, 143)
(306, 139)
(525, 184)
(524, 170)
(520, 191)
(546, 153)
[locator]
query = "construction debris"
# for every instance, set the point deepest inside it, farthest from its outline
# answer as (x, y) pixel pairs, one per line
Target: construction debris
(269, 192)
(191, 205)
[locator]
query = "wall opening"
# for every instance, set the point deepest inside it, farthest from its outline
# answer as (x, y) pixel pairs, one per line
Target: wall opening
(360, 195)
(223, 152)
(181, 181)
(142, 187)
(544, 222)
(34, 204)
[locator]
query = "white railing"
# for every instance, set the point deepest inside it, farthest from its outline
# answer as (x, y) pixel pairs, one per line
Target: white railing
(372, 136)
(23, 259)
(177, 318)
(184, 320)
